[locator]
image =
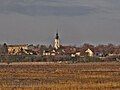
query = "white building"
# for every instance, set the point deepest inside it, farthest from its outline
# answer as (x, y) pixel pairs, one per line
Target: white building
(15, 49)
(90, 52)
(57, 42)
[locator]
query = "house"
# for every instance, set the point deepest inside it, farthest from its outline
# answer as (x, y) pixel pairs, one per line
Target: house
(90, 52)
(46, 53)
(77, 53)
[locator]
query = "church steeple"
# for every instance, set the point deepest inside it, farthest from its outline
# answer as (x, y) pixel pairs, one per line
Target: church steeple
(57, 41)
(57, 36)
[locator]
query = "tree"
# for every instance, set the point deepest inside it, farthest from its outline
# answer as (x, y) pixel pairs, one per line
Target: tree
(5, 49)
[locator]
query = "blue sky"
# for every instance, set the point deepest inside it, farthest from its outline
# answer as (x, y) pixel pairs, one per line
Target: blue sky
(79, 21)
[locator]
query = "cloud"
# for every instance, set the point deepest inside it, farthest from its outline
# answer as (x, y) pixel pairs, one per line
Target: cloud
(37, 8)
(102, 8)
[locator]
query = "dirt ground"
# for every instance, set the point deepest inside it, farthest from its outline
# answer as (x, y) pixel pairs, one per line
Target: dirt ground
(54, 76)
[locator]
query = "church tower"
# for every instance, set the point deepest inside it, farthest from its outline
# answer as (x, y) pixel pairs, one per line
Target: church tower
(57, 41)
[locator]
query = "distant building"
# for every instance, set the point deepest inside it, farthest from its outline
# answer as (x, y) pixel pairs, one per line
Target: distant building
(90, 52)
(57, 41)
(46, 53)
(15, 49)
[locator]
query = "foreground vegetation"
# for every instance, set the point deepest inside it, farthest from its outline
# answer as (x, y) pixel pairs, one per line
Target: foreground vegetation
(54, 76)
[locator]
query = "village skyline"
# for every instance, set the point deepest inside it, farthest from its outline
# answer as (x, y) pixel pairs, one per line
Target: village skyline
(50, 41)
(59, 44)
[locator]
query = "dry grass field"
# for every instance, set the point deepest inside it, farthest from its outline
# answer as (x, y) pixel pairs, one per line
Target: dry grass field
(54, 76)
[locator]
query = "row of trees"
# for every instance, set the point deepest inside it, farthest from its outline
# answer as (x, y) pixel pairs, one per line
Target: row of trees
(35, 58)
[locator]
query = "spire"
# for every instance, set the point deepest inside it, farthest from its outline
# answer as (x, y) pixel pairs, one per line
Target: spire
(57, 36)
(57, 40)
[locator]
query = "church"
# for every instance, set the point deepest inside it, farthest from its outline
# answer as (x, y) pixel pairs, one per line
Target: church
(57, 41)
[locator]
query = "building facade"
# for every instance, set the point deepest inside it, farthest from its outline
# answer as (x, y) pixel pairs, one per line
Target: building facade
(15, 49)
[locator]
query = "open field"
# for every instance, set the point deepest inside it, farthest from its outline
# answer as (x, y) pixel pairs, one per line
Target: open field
(54, 76)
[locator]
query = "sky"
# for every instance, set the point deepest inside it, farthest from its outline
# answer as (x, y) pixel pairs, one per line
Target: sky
(77, 21)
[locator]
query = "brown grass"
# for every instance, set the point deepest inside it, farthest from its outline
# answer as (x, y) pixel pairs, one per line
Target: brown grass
(82, 76)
